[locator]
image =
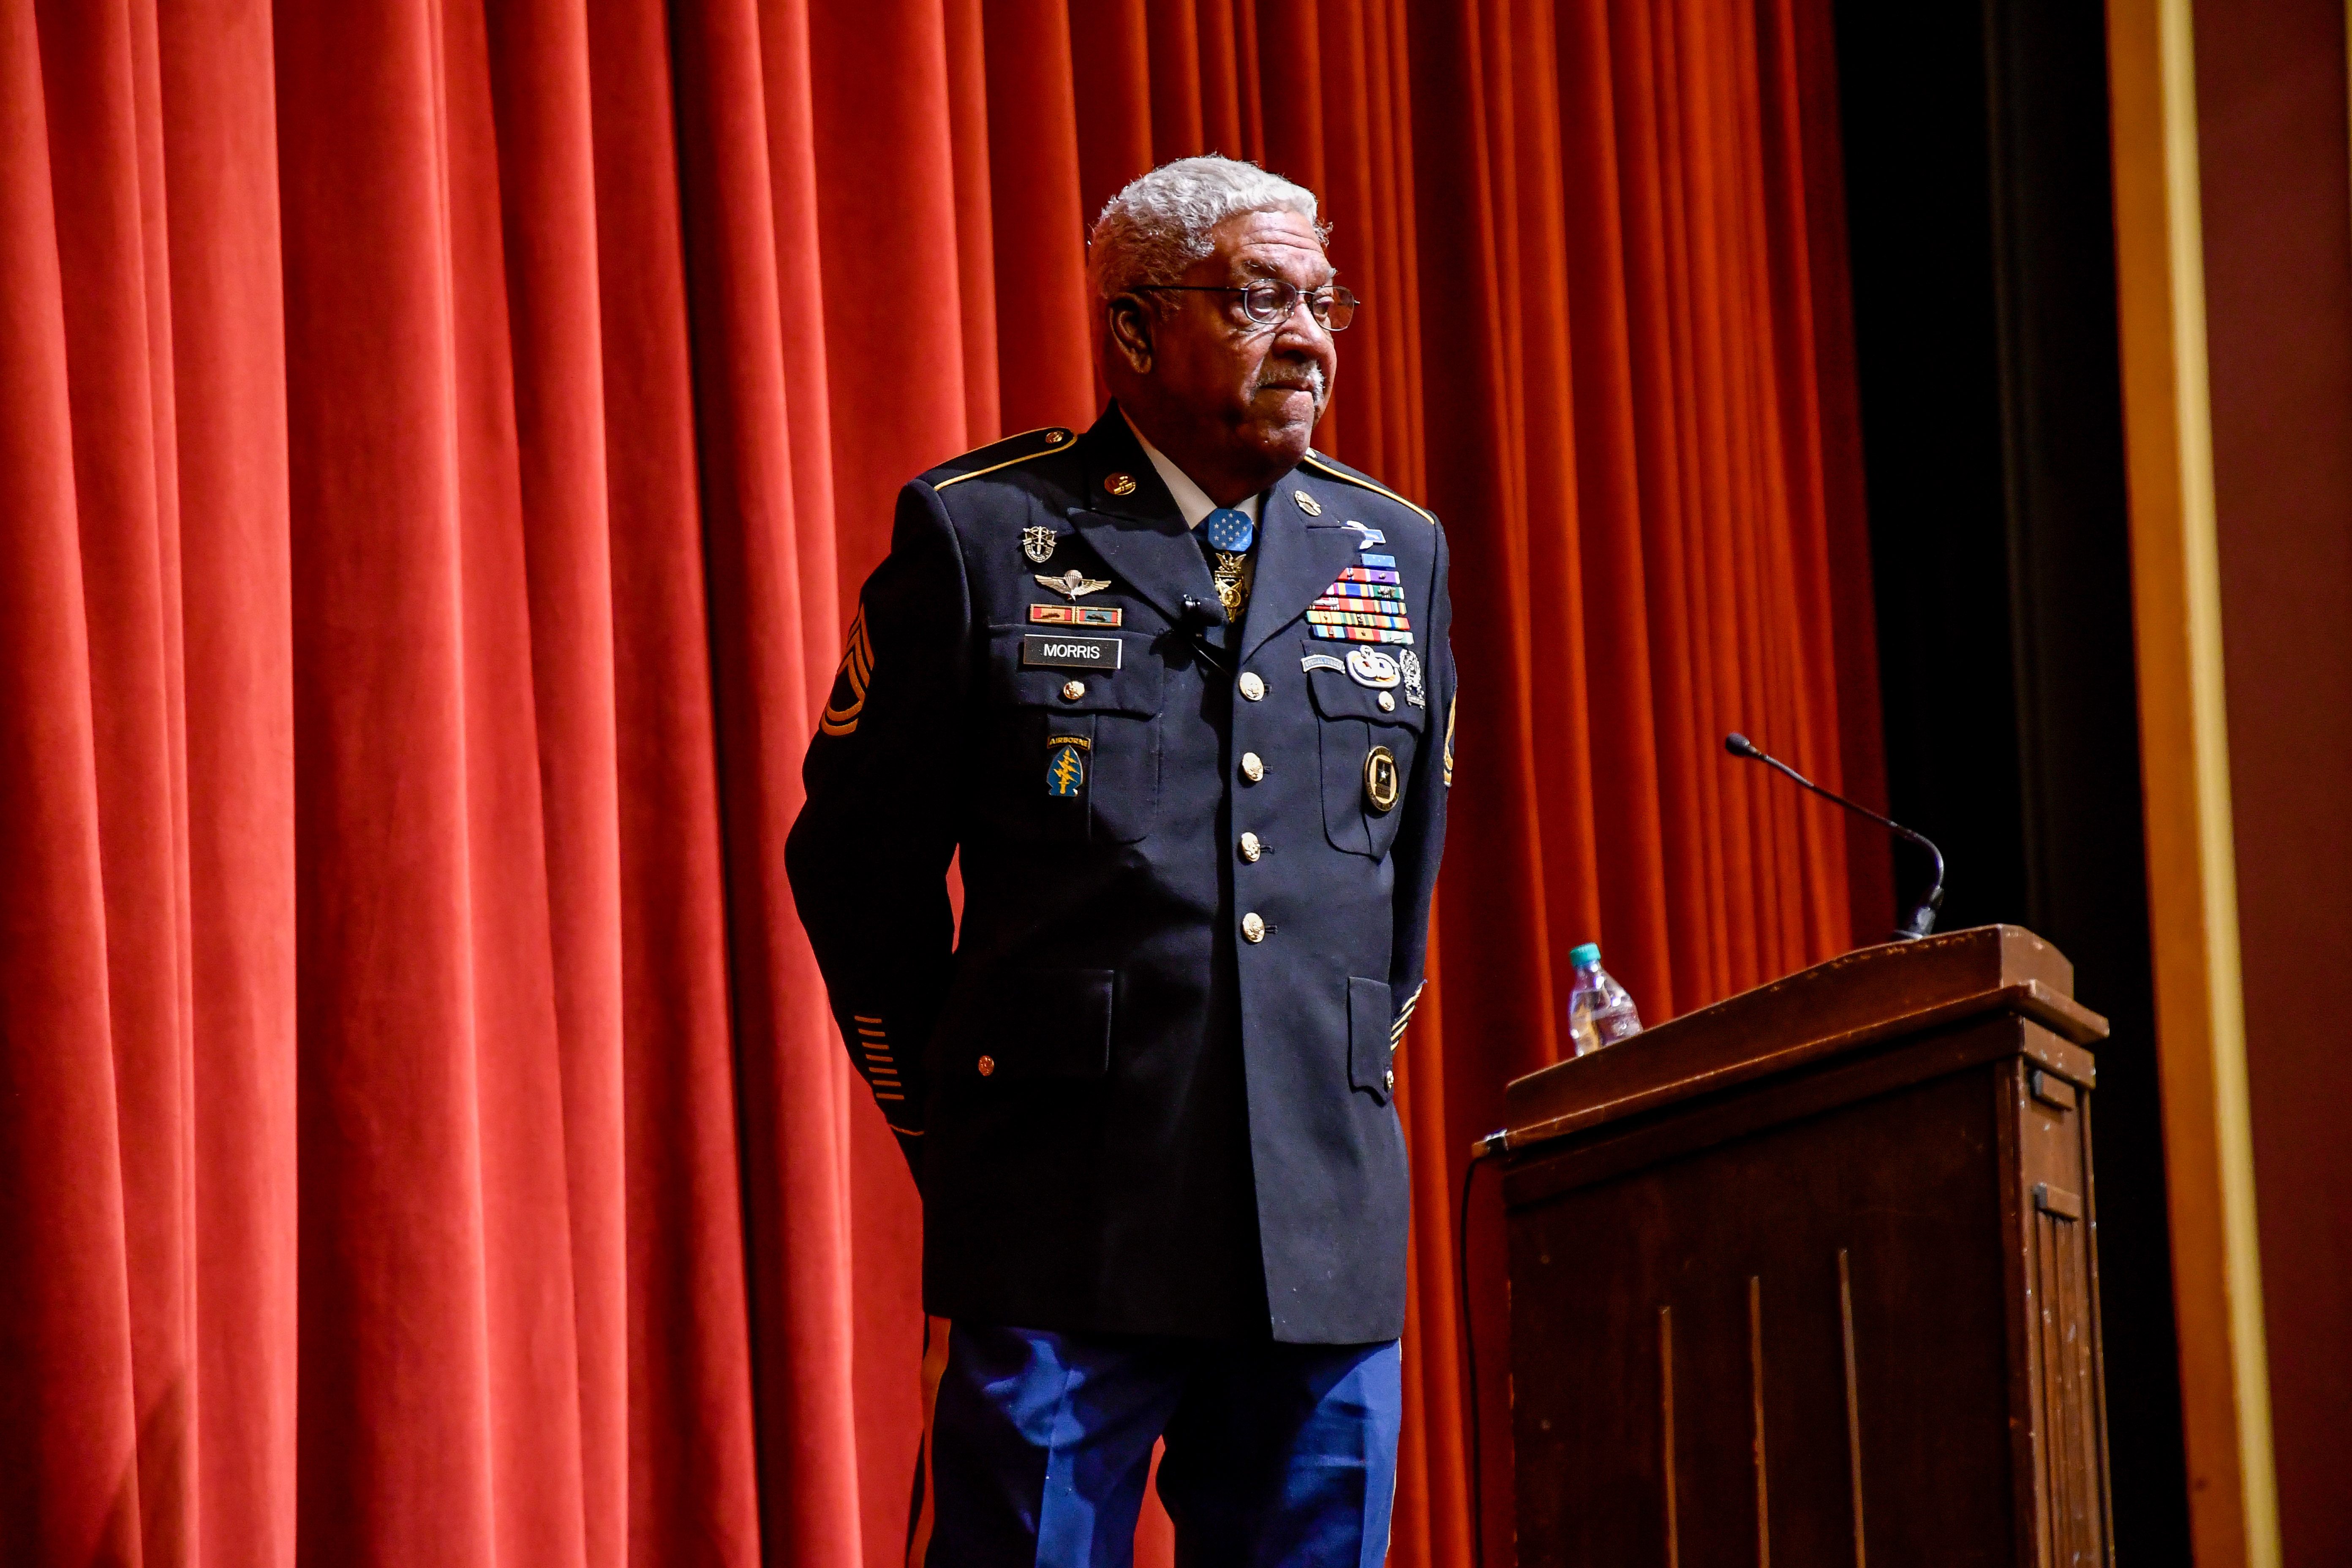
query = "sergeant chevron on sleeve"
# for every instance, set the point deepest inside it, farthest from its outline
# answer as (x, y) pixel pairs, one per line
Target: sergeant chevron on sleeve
(1179, 690)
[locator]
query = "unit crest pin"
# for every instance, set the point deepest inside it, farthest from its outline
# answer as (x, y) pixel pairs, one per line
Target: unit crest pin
(1382, 782)
(1409, 663)
(1037, 543)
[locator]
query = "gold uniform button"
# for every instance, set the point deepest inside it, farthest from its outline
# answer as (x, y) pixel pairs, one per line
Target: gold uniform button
(1388, 702)
(1388, 1080)
(1253, 927)
(987, 1066)
(1251, 847)
(1253, 768)
(1251, 684)
(1074, 690)
(1055, 438)
(1120, 484)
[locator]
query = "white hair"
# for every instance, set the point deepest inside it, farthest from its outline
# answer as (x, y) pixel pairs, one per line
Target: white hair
(1159, 226)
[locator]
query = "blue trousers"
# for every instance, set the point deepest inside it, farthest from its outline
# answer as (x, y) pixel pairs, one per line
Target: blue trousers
(1036, 1446)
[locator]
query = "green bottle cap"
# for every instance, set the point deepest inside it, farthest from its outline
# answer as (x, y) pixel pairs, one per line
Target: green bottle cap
(1588, 953)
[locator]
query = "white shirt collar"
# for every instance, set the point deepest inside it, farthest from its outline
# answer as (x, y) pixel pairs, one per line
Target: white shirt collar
(1191, 499)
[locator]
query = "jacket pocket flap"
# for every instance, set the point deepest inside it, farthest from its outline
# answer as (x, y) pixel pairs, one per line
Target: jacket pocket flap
(1371, 1049)
(1344, 689)
(1043, 1022)
(1114, 672)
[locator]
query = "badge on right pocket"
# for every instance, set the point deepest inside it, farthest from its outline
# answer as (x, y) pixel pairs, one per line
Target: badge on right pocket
(1066, 765)
(1381, 784)
(1371, 667)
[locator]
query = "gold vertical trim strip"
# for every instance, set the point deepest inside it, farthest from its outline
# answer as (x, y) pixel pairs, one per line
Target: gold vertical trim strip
(1756, 1376)
(2185, 771)
(1666, 1421)
(1852, 1402)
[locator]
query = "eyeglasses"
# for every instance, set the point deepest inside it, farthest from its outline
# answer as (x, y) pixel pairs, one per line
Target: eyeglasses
(1270, 301)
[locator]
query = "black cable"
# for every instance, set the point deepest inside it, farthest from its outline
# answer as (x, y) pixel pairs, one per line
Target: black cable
(1485, 1148)
(1195, 623)
(1922, 918)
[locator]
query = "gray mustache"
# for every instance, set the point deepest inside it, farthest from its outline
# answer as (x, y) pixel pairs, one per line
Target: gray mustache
(1311, 374)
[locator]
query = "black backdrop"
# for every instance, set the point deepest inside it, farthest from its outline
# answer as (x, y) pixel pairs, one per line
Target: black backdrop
(1975, 145)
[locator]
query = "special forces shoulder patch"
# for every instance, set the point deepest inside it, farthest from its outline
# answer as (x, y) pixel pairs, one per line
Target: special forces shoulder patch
(1066, 765)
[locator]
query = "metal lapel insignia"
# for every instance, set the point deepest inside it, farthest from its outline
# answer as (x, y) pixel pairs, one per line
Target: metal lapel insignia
(1037, 543)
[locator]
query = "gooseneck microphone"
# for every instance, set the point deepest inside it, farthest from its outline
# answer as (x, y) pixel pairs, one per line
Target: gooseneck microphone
(1922, 919)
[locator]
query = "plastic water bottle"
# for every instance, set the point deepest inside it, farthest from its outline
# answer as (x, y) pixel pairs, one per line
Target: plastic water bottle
(1599, 1012)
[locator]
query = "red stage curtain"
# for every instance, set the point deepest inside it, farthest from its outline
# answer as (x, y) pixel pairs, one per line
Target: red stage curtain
(437, 443)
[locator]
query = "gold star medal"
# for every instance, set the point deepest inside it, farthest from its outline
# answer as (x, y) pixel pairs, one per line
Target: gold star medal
(1230, 533)
(1231, 574)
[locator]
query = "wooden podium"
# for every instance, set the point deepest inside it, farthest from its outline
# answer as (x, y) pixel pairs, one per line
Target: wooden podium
(1808, 1277)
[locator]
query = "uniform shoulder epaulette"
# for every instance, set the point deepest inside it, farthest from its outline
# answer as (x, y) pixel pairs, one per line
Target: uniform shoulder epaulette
(1039, 443)
(1331, 467)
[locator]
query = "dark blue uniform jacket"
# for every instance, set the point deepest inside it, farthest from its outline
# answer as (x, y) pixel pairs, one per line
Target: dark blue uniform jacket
(1148, 1089)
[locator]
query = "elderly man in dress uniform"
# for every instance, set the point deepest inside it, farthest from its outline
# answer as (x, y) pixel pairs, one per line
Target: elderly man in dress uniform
(1179, 690)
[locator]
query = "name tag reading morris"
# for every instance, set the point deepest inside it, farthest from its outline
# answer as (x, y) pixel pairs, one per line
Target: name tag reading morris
(1070, 653)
